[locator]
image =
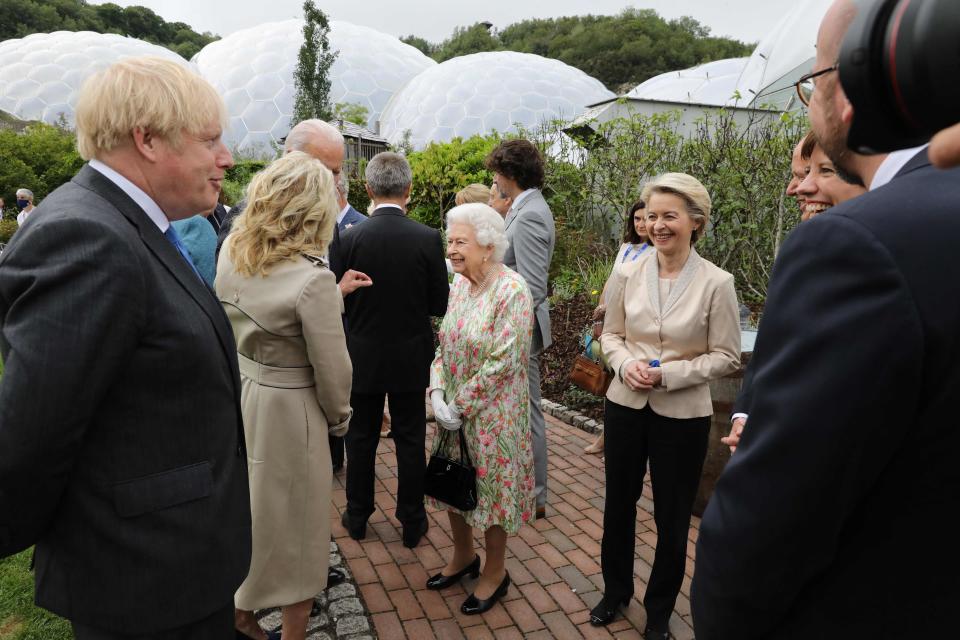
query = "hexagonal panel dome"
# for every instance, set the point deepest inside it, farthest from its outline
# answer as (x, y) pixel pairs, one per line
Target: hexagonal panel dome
(483, 92)
(41, 73)
(711, 83)
(253, 70)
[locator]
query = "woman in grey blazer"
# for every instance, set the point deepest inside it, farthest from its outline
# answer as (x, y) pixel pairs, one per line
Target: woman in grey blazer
(671, 326)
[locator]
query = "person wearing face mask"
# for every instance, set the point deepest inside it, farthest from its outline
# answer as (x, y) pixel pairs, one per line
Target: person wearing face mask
(24, 205)
(672, 325)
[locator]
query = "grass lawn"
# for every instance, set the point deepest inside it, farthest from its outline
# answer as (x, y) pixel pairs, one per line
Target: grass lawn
(19, 619)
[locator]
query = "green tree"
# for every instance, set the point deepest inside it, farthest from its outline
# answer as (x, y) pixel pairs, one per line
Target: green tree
(621, 51)
(19, 18)
(425, 47)
(467, 40)
(311, 77)
(351, 112)
(442, 169)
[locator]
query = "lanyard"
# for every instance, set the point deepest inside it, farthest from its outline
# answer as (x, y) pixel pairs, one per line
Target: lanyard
(629, 249)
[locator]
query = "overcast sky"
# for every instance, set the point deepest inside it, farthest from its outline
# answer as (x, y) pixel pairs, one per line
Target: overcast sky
(747, 20)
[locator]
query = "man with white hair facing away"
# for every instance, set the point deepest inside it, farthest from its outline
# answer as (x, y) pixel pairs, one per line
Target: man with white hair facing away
(128, 471)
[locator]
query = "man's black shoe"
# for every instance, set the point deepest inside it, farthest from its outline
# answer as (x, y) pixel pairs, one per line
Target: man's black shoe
(413, 533)
(335, 577)
(357, 532)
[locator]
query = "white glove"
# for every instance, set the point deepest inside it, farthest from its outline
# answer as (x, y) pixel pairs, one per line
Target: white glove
(447, 417)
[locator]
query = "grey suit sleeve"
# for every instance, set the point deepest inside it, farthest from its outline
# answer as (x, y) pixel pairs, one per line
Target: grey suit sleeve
(531, 248)
(800, 472)
(71, 301)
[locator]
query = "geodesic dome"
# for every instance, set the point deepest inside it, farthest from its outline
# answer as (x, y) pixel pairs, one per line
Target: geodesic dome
(253, 71)
(485, 92)
(41, 74)
(783, 56)
(713, 83)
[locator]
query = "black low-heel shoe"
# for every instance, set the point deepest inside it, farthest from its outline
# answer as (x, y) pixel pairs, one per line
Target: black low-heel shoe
(441, 581)
(606, 610)
(473, 605)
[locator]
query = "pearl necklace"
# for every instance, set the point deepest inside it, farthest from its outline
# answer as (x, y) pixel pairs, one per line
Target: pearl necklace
(476, 291)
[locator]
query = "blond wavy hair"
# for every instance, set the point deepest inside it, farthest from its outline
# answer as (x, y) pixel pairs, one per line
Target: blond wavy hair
(291, 210)
(688, 189)
(161, 96)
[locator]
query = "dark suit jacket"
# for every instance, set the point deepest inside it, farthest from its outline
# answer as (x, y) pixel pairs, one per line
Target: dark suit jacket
(828, 521)
(388, 324)
(351, 218)
(121, 442)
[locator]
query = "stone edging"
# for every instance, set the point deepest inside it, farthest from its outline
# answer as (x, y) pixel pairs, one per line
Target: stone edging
(338, 613)
(571, 417)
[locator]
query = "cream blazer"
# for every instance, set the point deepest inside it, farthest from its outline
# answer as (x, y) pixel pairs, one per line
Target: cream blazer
(695, 333)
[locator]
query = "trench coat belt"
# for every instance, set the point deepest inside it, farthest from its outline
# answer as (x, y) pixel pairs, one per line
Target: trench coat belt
(279, 377)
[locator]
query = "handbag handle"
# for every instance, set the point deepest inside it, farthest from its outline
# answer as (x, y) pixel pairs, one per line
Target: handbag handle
(464, 450)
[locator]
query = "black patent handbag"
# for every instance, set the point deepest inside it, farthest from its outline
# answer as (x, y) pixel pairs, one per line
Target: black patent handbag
(453, 482)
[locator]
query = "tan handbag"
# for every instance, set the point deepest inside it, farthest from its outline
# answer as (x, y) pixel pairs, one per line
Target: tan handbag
(590, 376)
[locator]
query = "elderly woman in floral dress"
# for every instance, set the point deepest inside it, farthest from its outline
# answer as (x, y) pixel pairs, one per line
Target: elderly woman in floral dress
(479, 383)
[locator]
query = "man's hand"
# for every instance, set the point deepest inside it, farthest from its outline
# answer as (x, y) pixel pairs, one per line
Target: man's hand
(353, 280)
(945, 148)
(736, 429)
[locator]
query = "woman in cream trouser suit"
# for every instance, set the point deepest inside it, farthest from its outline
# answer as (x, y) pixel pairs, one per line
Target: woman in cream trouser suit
(671, 326)
(284, 305)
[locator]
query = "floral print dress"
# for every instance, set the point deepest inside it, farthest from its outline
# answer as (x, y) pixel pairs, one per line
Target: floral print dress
(481, 365)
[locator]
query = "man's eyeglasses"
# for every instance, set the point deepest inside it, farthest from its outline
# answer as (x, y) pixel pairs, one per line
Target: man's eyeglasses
(805, 84)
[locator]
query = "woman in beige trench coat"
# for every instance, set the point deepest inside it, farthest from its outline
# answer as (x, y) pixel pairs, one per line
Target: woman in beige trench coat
(284, 305)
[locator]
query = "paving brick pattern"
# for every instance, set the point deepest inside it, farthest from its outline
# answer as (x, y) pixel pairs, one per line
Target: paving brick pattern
(554, 563)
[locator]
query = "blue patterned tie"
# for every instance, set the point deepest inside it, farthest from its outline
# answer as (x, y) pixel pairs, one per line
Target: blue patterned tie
(174, 239)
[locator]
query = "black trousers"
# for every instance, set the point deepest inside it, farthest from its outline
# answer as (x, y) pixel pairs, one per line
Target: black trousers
(408, 425)
(676, 449)
(216, 626)
(336, 451)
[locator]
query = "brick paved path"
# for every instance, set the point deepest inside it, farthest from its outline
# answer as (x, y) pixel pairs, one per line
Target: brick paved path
(554, 563)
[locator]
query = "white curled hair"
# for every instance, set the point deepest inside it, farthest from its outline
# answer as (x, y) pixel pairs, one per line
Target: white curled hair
(486, 223)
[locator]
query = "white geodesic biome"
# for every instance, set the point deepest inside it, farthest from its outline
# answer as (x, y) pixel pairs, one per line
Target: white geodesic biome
(485, 92)
(712, 83)
(41, 73)
(253, 71)
(763, 80)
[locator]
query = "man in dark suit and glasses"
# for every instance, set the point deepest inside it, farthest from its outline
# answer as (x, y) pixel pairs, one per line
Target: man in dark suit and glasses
(391, 342)
(828, 520)
(121, 444)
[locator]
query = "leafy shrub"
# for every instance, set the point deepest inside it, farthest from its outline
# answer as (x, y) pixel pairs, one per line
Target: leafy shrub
(7, 228)
(40, 158)
(442, 169)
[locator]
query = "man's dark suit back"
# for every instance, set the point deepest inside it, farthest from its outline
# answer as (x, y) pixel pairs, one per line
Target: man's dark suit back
(388, 324)
(828, 521)
(121, 442)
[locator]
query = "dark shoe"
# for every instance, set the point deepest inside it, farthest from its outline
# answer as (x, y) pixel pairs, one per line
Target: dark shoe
(650, 634)
(473, 605)
(541, 512)
(606, 610)
(357, 532)
(441, 581)
(413, 533)
(335, 577)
